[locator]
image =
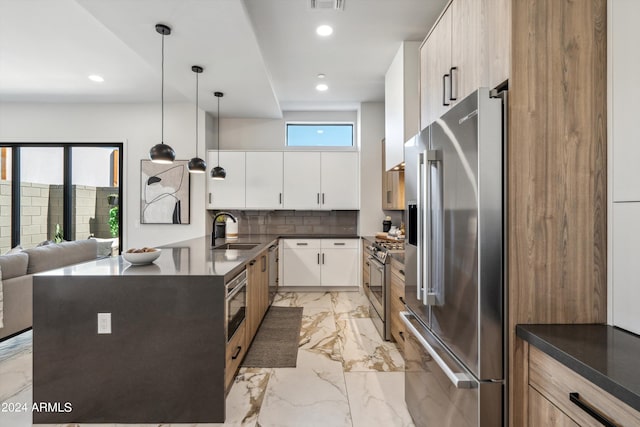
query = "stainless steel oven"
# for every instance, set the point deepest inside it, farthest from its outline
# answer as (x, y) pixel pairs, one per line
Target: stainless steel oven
(235, 303)
(377, 290)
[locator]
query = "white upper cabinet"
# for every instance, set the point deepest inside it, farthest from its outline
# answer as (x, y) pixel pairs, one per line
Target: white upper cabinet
(230, 192)
(264, 180)
(302, 180)
(339, 181)
(401, 102)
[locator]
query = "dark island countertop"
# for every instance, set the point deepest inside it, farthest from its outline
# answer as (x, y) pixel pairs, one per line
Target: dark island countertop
(605, 355)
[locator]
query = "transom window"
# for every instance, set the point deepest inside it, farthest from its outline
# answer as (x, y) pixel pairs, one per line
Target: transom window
(320, 135)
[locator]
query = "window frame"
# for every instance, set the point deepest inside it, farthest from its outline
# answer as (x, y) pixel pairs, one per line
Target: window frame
(353, 146)
(67, 182)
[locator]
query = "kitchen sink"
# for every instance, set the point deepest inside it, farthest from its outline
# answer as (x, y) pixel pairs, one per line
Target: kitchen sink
(237, 246)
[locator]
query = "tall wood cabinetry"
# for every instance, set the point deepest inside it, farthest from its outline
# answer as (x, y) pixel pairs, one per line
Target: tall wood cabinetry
(401, 102)
(624, 172)
(553, 53)
(392, 186)
(257, 293)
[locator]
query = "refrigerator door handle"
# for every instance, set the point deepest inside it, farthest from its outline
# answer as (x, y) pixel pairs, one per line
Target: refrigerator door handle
(458, 379)
(420, 225)
(431, 297)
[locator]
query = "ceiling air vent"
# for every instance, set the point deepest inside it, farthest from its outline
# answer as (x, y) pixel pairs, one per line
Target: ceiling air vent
(327, 4)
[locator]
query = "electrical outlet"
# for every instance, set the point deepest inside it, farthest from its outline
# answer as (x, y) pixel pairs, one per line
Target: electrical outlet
(104, 323)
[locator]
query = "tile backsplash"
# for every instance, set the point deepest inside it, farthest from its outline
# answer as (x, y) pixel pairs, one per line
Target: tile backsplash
(289, 222)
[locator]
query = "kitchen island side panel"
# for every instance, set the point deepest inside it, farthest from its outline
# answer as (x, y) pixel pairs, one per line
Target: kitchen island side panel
(162, 363)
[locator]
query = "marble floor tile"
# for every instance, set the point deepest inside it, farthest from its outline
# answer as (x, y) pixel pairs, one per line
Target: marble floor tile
(246, 395)
(312, 300)
(318, 333)
(364, 350)
(377, 399)
(282, 299)
(350, 304)
(312, 394)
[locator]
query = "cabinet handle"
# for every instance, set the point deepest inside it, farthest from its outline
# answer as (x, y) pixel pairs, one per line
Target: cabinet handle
(238, 350)
(323, 198)
(388, 196)
(280, 199)
(252, 262)
(209, 198)
(318, 259)
(444, 90)
(401, 272)
(451, 70)
(322, 258)
(367, 264)
(402, 335)
(318, 198)
(264, 263)
(338, 243)
(302, 244)
(597, 415)
(401, 300)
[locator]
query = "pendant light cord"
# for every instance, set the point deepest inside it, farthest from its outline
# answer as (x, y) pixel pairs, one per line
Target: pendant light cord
(218, 131)
(197, 114)
(162, 94)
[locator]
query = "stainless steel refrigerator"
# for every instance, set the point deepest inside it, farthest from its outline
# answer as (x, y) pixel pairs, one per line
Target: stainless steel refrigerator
(454, 180)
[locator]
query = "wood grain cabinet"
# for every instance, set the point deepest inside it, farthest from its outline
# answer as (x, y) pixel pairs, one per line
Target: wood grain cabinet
(560, 397)
(235, 352)
(257, 293)
(401, 102)
(398, 331)
(392, 187)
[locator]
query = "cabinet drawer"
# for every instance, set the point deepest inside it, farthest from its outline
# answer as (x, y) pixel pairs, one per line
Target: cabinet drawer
(236, 349)
(555, 382)
(339, 243)
(301, 243)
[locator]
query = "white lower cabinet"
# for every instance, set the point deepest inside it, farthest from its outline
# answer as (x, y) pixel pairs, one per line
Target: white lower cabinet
(320, 262)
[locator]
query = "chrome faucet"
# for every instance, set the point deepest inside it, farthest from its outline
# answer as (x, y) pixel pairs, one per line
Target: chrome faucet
(215, 217)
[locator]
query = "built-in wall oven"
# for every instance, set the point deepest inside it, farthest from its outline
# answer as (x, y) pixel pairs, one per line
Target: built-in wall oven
(235, 303)
(377, 290)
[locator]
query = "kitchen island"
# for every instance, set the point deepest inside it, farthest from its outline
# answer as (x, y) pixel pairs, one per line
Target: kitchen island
(157, 355)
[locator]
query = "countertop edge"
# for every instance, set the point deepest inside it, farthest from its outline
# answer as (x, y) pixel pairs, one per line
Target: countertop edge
(604, 382)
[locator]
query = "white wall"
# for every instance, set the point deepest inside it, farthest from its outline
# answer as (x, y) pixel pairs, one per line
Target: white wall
(138, 127)
(371, 125)
(269, 134)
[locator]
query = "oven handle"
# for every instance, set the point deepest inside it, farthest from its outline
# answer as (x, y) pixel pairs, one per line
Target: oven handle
(458, 379)
(236, 289)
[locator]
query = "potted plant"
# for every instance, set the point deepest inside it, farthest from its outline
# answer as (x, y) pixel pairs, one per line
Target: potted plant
(114, 220)
(113, 199)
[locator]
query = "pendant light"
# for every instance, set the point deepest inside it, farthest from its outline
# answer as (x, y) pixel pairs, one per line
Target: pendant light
(218, 172)
(197, 165)
(162, 153)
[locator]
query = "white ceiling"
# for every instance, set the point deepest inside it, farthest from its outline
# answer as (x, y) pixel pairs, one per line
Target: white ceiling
(263, 54)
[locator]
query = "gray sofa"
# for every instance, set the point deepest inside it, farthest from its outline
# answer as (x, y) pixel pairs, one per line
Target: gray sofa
(16, 273)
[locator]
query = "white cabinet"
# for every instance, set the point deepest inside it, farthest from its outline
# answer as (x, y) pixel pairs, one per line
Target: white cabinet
(401, 101)
(301, 262)
(320, 262)
(339, 178)
(264, 180)
(327, 180)
(230, 192)
(301, 180)
(626, 268)
(625, 92)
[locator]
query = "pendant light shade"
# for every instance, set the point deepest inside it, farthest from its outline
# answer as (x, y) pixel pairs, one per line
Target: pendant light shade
(197, 165)
(218, 172)
(162, 153)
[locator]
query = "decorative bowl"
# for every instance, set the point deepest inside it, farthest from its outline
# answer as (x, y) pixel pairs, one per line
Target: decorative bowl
(141, 258)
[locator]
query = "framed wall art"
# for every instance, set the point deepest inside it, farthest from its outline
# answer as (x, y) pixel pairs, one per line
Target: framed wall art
(164, 193)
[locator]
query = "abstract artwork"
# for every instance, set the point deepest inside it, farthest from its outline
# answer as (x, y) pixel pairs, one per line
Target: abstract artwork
(164, 193)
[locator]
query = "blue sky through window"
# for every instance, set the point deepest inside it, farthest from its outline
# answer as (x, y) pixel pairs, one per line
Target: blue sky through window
(320, 135)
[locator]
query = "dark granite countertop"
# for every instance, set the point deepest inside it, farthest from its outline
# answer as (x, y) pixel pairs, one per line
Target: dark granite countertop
(604, 355)
(194, 257)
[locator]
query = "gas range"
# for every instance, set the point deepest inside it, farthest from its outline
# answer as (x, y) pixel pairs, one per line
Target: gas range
(382, 248)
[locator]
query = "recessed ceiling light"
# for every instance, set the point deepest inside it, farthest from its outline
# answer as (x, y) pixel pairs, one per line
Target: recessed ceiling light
(96, 78)
(320, 131)
(322, 87)
(322, 76)
(324, 30)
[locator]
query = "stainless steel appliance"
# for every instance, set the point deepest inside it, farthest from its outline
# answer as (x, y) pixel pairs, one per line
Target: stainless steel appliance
(273, 272)
(377, 289)
(454, 178)
(235, 303)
